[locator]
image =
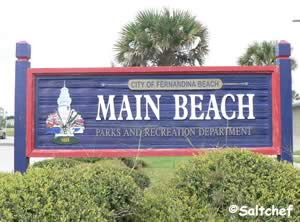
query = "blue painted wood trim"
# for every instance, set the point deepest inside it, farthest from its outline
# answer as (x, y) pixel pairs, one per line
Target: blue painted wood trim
(84, 90)
(23, 51)
(283, 52)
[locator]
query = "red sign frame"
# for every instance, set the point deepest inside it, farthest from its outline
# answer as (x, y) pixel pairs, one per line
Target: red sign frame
(32, 151)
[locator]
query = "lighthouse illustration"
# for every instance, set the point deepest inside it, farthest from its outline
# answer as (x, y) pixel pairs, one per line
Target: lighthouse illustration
(65, 122)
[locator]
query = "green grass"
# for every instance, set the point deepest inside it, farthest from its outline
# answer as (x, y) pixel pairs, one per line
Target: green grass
(297, 152)
(162, 169)
(164, 162)
(10, 131)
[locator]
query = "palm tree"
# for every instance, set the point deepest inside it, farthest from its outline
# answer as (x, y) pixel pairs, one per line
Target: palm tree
(261, 54)
(162, 38)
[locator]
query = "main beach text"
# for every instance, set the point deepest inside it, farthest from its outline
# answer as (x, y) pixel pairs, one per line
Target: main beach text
(185, 107)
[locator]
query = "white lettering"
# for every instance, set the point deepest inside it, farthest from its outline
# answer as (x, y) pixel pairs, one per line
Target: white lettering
(242, 106)
(138, 115)
(155, 108)
(223, 107)
(213, 106)
(230, 106)
(195, 106)
(125, 107)
(181, 106)
(110, 106)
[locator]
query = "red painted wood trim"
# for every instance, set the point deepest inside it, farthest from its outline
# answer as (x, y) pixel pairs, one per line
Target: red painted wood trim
(154, 70)
(23, 59)
(276, 114)
(283, 57)
(135, 152)
(32, 151)
(30, 110)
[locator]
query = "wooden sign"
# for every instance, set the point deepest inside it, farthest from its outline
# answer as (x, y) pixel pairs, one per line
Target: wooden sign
(151, 111)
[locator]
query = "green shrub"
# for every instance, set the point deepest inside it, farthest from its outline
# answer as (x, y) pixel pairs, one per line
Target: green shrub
(82, 193)
(118, 192)
(171, 205)
(59, 163)
(112, 163)
(90, 159)
(3, 175)
(219, 179)
(133, 162)
(47, 195)
(141, 179)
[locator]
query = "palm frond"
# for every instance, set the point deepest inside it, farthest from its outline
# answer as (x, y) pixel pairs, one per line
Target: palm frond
(261, 54)
(165, 37)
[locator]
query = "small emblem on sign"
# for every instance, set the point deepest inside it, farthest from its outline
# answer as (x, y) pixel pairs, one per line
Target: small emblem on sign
(65, 122)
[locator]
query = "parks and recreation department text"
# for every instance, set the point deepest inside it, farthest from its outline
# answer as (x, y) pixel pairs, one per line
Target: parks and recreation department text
(174, 131)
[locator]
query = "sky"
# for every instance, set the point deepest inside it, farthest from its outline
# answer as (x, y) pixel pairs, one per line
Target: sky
(82, 33)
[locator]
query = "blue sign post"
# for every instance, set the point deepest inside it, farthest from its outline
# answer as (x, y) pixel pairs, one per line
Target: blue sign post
(283, 52)
(23, 53)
